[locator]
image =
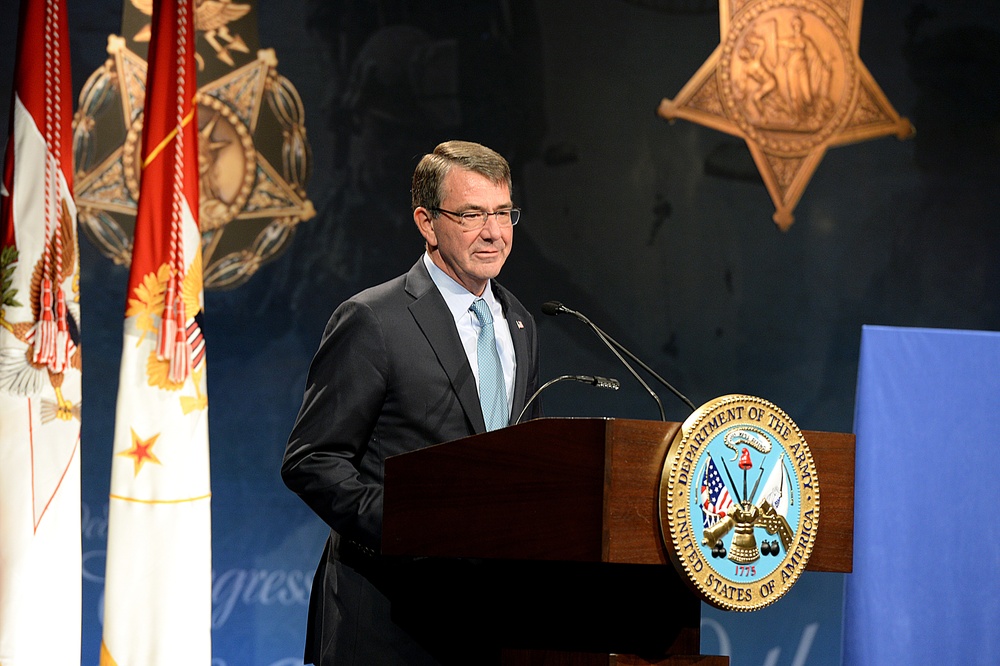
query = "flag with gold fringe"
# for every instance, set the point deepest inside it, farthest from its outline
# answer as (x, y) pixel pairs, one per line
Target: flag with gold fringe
(158, 581)
(40, 379)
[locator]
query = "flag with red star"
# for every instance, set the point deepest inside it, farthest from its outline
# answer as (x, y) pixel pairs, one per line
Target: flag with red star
(158, 583)
(40, 379)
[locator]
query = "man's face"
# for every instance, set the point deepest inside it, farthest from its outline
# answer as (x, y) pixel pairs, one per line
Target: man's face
(471, 258)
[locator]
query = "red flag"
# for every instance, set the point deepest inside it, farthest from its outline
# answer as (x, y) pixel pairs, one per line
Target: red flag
(40, 387)
(158, 583)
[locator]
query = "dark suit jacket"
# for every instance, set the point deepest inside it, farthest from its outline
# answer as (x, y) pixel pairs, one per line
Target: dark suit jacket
(390, 376)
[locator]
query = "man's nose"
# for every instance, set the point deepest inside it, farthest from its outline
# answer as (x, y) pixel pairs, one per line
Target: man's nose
(492, 227)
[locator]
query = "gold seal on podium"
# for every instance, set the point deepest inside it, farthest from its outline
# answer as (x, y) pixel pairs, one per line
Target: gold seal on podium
(739, 502)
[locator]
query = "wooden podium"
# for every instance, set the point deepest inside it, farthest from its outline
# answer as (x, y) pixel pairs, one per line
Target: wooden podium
(543, 540)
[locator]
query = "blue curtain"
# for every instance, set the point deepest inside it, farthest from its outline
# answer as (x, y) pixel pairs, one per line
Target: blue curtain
(925, 587)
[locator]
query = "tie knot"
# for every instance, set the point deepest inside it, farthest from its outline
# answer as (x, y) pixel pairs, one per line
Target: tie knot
(482, 311)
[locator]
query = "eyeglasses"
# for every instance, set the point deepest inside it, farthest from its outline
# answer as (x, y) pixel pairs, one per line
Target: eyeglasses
(471, 220)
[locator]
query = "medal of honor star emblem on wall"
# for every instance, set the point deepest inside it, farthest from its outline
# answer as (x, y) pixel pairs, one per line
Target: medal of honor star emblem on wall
(253, 156)
(787, 77)
(739, 502)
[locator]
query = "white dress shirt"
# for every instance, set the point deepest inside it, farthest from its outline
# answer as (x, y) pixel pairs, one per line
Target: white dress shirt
(459, 300)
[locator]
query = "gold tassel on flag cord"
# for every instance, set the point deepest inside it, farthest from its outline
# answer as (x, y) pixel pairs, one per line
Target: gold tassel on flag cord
(172, 344)
(51, 336)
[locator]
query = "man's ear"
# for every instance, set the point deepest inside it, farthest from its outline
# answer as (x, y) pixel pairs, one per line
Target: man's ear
(423, 219)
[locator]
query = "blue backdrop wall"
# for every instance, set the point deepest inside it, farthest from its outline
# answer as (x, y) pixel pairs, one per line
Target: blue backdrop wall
(660, 233)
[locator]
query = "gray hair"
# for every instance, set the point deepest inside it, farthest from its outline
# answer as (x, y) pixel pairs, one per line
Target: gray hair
(433, 167)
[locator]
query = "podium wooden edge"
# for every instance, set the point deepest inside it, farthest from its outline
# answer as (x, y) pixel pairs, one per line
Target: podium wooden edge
(834, 456)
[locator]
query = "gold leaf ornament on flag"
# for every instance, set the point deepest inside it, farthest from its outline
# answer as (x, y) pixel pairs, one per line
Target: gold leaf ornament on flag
(193, 287)
(158, 373)
(199, 400)
(146, 304)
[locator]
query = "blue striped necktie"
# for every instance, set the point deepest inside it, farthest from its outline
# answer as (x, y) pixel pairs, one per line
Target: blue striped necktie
(492, 392)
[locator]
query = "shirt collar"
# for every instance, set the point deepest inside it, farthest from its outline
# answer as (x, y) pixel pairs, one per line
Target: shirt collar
(458, 298)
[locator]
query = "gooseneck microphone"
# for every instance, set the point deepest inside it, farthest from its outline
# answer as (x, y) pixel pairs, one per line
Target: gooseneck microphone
(599, 382)
(555, 307)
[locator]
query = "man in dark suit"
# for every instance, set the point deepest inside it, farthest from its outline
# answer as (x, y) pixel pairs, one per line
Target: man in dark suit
(398, 369)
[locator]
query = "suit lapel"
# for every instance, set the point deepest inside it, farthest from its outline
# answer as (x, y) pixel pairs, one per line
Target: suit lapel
(435, 321)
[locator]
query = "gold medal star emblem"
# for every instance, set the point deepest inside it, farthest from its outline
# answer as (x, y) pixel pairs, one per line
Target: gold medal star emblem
(248, 206)
(787, 78)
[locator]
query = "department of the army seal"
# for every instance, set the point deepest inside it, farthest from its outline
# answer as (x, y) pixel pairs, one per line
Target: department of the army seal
(739, 502)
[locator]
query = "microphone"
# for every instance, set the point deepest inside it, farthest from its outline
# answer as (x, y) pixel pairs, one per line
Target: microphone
(555, 308)
(599, 382)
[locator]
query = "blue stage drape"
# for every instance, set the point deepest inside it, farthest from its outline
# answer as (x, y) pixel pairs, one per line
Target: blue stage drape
(925, 587)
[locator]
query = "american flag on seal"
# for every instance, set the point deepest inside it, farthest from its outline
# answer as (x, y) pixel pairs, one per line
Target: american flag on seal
(715, 499)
